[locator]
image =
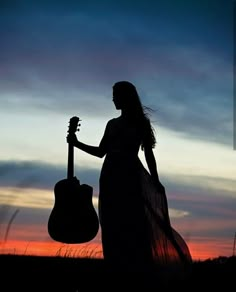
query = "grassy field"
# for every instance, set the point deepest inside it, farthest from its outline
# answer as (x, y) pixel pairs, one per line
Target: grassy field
(31, 273)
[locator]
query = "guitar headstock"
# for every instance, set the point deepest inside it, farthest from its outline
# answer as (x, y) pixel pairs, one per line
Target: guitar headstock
(74, 125)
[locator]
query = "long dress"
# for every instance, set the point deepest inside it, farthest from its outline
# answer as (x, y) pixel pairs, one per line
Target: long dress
(135, 224)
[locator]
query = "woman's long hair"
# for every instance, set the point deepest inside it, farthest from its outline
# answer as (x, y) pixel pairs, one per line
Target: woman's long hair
(137, 111)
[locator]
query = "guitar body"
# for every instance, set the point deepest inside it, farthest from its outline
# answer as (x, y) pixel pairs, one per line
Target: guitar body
(73, 218)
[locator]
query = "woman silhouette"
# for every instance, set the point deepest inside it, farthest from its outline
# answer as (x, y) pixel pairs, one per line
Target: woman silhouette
(133, 211)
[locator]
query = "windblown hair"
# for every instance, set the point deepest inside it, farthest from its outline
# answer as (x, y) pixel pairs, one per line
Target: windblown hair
(137, 111)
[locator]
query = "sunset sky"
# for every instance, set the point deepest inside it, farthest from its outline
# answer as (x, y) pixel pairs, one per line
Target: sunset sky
(60, 59)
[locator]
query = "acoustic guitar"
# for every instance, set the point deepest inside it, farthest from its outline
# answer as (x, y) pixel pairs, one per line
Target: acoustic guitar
(73, 218)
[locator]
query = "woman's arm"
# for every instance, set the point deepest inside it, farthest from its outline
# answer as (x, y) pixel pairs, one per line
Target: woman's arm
(152, 166)
(151, 162)
(93, 150)
(98, 151)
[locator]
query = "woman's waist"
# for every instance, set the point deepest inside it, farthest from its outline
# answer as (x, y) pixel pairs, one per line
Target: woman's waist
(118, 153)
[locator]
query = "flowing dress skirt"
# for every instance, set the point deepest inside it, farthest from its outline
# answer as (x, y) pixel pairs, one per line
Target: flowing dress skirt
(135, 225)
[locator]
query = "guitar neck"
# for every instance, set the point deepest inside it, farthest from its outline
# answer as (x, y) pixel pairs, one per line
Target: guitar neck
(70, 165)
(72, 129)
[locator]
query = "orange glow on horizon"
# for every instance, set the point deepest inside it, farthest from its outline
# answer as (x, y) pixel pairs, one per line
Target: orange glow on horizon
(90, 250)
(200, 250)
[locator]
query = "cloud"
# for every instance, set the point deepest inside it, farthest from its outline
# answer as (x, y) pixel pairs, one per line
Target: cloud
(196, 203)
(39, 175)
(56, 60)
(189, 96)
(193, 94)
(187, 195)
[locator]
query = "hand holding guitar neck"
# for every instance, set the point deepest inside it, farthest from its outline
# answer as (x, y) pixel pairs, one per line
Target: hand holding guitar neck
(71, 137)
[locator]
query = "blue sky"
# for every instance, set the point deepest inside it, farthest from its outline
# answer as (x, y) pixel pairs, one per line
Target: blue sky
(60, 59)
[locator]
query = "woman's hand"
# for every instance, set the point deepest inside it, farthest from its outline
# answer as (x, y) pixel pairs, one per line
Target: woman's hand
(71, 139)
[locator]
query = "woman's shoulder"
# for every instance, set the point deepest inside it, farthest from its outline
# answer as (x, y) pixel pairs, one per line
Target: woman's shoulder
(113, 121)
(110, 124)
